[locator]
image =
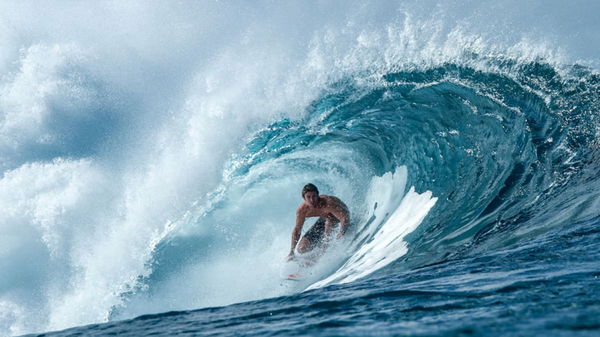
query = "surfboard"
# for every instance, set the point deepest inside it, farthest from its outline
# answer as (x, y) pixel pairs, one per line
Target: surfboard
(291, 271)
(293, 277)
(294, 270)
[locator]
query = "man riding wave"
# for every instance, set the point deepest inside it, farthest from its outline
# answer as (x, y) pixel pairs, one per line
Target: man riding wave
(331, 212)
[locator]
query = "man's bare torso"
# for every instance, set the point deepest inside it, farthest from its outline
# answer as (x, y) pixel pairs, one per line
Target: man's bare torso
(329, 207)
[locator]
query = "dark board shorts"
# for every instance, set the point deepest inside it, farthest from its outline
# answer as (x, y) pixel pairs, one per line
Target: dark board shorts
(316, 232)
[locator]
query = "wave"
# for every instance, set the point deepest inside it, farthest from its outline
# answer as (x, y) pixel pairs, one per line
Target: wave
(162, 175)
(498, 148)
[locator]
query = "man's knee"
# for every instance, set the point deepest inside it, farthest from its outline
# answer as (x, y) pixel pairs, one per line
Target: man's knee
(303, 246)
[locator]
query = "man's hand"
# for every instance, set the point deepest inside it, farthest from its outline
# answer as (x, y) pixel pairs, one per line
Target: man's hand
(340, 234)
(291, 256)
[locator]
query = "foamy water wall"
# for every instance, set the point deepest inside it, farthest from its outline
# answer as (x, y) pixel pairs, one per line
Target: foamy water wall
(141, 123)
(117, 119)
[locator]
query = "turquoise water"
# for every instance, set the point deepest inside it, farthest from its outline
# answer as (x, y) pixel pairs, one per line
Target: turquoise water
(149, 182)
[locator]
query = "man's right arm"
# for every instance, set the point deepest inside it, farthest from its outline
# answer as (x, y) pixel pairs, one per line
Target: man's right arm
(297, 231)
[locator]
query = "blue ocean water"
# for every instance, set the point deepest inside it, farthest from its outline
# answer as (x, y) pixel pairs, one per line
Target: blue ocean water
(150, 176)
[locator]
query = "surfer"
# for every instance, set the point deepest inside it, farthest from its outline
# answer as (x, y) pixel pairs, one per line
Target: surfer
(331, 212)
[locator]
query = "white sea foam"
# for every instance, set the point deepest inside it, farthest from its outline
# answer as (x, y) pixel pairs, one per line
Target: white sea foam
(395, 215)
(117, 117)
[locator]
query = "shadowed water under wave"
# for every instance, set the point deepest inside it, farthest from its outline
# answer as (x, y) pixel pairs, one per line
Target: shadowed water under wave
(546, 286)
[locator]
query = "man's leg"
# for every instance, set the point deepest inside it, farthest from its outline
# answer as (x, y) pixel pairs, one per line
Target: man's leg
(304, 246)
(312, 237)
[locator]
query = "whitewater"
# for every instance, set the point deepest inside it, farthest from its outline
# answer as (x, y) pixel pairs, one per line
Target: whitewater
(152, 156)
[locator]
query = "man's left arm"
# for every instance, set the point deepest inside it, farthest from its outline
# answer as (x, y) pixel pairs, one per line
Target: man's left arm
(341, 212)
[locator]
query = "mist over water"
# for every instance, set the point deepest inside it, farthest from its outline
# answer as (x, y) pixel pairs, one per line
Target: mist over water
(152, 154)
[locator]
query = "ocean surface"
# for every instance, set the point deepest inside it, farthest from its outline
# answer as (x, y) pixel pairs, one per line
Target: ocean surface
(152, 156)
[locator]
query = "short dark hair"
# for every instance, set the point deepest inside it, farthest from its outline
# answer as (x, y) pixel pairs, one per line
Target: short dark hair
(309, 188)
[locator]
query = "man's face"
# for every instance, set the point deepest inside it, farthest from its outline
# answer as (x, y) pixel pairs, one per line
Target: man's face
(312, 198)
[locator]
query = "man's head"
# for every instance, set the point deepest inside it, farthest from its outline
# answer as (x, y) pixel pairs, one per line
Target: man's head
(310, 194)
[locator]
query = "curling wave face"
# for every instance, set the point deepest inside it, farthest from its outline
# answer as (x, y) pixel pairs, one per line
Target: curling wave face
(498, 149)
(173, 186)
